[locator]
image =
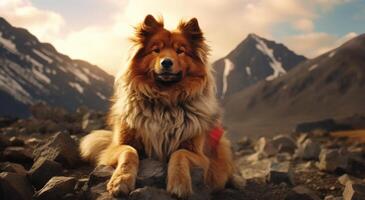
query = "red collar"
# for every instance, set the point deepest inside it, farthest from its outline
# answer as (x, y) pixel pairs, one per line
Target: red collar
(215, 135)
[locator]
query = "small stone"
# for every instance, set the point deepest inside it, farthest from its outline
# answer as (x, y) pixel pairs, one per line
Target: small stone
(42, 170)
(61, 148)
(346, 178)
(13, 167)
(100, 174)
(151, 173)
(14, 141)
(309, 150)
(301, 193)
(15, 186)
(331, 197)
(354, 191)
(150, 193)
(18, 155)
(98, 192)
(281, 172)
(284, 143)
(56, 188)
(331, 160)
(33, 142)
(266, 146)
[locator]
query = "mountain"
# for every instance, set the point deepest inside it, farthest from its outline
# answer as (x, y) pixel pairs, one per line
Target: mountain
(31, 71)
(253, 60)
(329, 86)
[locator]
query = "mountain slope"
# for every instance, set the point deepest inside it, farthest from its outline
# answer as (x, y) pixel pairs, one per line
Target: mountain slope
(254, 59)
(329, 86)
(32, 71)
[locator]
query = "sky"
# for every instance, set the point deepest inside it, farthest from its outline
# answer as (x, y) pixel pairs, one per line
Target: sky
(98, 30)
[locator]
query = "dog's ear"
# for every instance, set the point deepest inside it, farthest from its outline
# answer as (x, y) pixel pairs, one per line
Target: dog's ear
(148, 27)
(192, 30)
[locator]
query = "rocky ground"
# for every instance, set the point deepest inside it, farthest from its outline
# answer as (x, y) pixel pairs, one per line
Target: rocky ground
(39, 160)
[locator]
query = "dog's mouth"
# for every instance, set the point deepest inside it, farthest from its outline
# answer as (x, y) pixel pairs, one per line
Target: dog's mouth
(168, 78)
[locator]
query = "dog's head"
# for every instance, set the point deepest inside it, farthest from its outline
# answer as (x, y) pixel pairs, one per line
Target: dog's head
(169, 63)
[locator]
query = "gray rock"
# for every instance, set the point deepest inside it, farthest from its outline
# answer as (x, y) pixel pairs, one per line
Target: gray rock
(281, 172)
(301, 193)
(18, 155)
(13, 167)
(100, 174)
(284, 143)
(331, 197)
(309, 150)
(42, 170)
(15, 186)
(332, 159)
(150, 193)
(266, 146)
(56, 188)
(354, 191)
(151, 173)
(61, 148)
(33, 142)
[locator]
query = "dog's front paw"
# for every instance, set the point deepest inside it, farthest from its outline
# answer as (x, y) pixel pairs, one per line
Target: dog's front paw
(121, 184)
(179, 185)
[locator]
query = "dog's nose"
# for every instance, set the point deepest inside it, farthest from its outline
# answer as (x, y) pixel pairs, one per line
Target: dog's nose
(166, 63)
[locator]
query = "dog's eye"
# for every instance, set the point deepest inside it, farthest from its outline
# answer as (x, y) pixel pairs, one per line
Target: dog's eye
(180, 50)
(156, 50)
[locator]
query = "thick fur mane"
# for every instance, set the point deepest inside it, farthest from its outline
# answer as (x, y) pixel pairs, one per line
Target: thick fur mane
(161, 121)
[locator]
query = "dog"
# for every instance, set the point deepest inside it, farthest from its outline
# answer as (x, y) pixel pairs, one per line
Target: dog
(164, 107)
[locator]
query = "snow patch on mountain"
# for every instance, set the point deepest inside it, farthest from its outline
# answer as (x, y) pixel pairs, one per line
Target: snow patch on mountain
(312, 67)
(8, 44)
(42, 55)
(332, 54)
(101, 96)
(81, 75)
(248, 70)
(11, 86)
(274, 63)
(228, 67)
(41, 76)
(77, 86)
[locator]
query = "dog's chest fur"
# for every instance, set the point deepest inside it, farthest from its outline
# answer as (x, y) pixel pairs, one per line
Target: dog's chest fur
(163, 128)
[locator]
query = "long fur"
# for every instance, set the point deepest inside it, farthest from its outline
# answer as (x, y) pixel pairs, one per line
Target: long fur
(170, 124)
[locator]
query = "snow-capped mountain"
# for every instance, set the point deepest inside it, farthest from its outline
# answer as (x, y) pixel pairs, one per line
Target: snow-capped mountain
(253, 60)
(31, 71)
(331, 85)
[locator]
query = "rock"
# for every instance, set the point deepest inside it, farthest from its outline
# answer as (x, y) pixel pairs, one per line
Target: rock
(18, 155)
(93, 121)
(309, 150)
(15, 186)
(280, 157)
(14, 141)
(61, 148)
(33, 142)
(56, 188)
(265, 146)
(98, 192)
(200, 190)
(100, 174)
(284, 143)
(331, 160)
(150, 193)
(244, 143)
(254, 170)
(346, 178)
(229, 194)
(281, 172)
(42, 170)
(331, 197)
(13, 167)
(354, 191)
(151, 173)
(301, 193)
(238, 182)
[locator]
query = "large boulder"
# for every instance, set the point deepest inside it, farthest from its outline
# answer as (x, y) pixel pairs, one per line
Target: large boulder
(56, 188)
(43, 170)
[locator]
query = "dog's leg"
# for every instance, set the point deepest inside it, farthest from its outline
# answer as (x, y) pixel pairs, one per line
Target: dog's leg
(126, 160)
(221, 166)
(178, 173)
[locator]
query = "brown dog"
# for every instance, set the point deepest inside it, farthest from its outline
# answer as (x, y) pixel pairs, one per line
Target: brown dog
(164, 107)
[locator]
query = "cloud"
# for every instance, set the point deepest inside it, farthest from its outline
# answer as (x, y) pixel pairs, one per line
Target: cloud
(43, 23)
(225, 25)
(316, 43)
